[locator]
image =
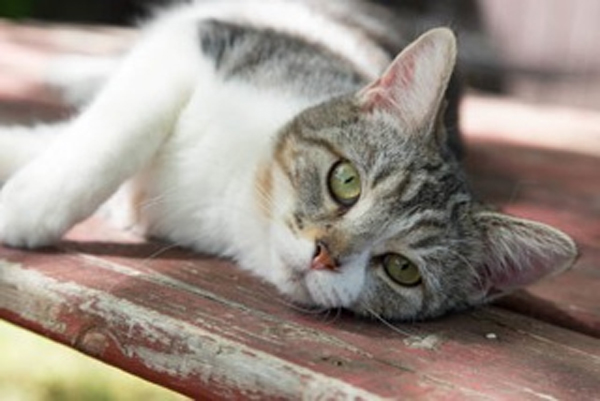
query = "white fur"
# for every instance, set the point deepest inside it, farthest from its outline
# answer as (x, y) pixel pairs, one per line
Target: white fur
(179, 151)
(119, 134)
(78, 77)
(299, 19)
(191, 145)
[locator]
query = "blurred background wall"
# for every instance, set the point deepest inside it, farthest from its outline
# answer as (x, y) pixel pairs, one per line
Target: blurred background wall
(552, 45)
(539, 50)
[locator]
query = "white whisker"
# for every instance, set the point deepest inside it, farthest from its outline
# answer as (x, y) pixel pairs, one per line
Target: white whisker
(306, 310)
(388, 324)
(160, 251)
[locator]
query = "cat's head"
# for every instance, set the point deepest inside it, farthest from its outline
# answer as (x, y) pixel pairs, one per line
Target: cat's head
(369, 209)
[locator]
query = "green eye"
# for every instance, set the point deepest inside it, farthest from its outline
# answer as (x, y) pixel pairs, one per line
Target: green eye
(401, 270)
(344, 183)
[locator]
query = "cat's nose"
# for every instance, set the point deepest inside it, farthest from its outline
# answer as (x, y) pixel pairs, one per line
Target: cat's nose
(322, 259)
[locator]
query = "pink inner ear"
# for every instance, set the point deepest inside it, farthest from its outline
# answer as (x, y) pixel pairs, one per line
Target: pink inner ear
(521, 252)
(412, 88)
(377, 98)
(514, 274)
(400, 75)
(385, 92)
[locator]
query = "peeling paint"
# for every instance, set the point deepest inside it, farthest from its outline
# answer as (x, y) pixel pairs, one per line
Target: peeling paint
(43, 309)
(167, 346)
(541, 396)
(211, 358)
(158, 278)
(429, 342)
(94, 342)
(230, 346)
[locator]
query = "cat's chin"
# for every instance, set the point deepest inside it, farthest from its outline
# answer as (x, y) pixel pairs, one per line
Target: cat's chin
(335, 289)
(297, 284)
(290, 258)
(320, 289)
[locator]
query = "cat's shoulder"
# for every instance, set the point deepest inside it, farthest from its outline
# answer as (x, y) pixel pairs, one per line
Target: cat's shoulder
(351, 30)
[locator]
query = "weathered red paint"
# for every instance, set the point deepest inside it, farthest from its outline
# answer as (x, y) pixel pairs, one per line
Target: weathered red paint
(203, 328)
(153, 317)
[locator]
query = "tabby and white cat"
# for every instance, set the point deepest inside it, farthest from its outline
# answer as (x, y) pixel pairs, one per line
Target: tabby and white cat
(282, 135)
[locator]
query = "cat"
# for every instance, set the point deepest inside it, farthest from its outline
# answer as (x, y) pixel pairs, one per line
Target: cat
(285, 136)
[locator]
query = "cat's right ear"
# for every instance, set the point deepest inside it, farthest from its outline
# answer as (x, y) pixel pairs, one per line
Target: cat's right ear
(413, 86)
(518, 252)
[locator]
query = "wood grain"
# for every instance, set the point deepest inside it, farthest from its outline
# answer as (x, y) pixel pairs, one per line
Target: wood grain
(201, 327)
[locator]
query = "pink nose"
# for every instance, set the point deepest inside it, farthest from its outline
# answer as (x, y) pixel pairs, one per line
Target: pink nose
(322, 259)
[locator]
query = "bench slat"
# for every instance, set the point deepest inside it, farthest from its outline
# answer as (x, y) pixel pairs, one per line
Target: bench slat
(544, 164)
(201, 327)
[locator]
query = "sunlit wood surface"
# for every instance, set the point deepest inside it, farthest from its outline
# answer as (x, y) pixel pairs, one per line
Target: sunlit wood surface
(201, 327)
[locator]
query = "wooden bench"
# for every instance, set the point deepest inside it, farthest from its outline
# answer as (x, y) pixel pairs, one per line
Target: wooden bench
(205, 329)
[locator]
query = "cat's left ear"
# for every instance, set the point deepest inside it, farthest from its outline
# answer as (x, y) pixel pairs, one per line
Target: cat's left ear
(413, 86)
(519, 252)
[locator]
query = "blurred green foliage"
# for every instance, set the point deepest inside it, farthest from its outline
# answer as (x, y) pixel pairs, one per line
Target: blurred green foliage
(16, 8)
(122, 12)
(33, 368)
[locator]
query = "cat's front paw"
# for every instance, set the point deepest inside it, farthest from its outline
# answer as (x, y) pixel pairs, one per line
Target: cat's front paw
(23, 232)
(24, 221)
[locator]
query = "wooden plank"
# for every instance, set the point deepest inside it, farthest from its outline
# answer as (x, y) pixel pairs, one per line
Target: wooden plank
(544, 163)
(201, 327)
(342, 356)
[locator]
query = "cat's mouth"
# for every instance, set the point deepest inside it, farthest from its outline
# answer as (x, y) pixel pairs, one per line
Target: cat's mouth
(305, 286)
(322, 288)
(311, 275)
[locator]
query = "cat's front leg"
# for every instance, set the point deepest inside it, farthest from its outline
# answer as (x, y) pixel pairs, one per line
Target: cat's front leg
(41, 202)
(117, 135)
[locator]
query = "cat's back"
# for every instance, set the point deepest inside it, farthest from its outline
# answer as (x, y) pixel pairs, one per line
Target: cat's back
(308, 47)
(265, 62)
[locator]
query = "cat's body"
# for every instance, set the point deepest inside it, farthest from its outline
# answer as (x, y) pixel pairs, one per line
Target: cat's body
(269, 133)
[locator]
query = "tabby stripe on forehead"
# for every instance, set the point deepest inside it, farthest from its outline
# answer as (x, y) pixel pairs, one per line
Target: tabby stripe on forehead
(428, 224)
(434, 194)
(439, 223)
(400, 187)
(432, 168)
(426, 242)
(424, 233)
(322, 143)
(387, 172)
(421, 221)
(383, 175)
(459, 201)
